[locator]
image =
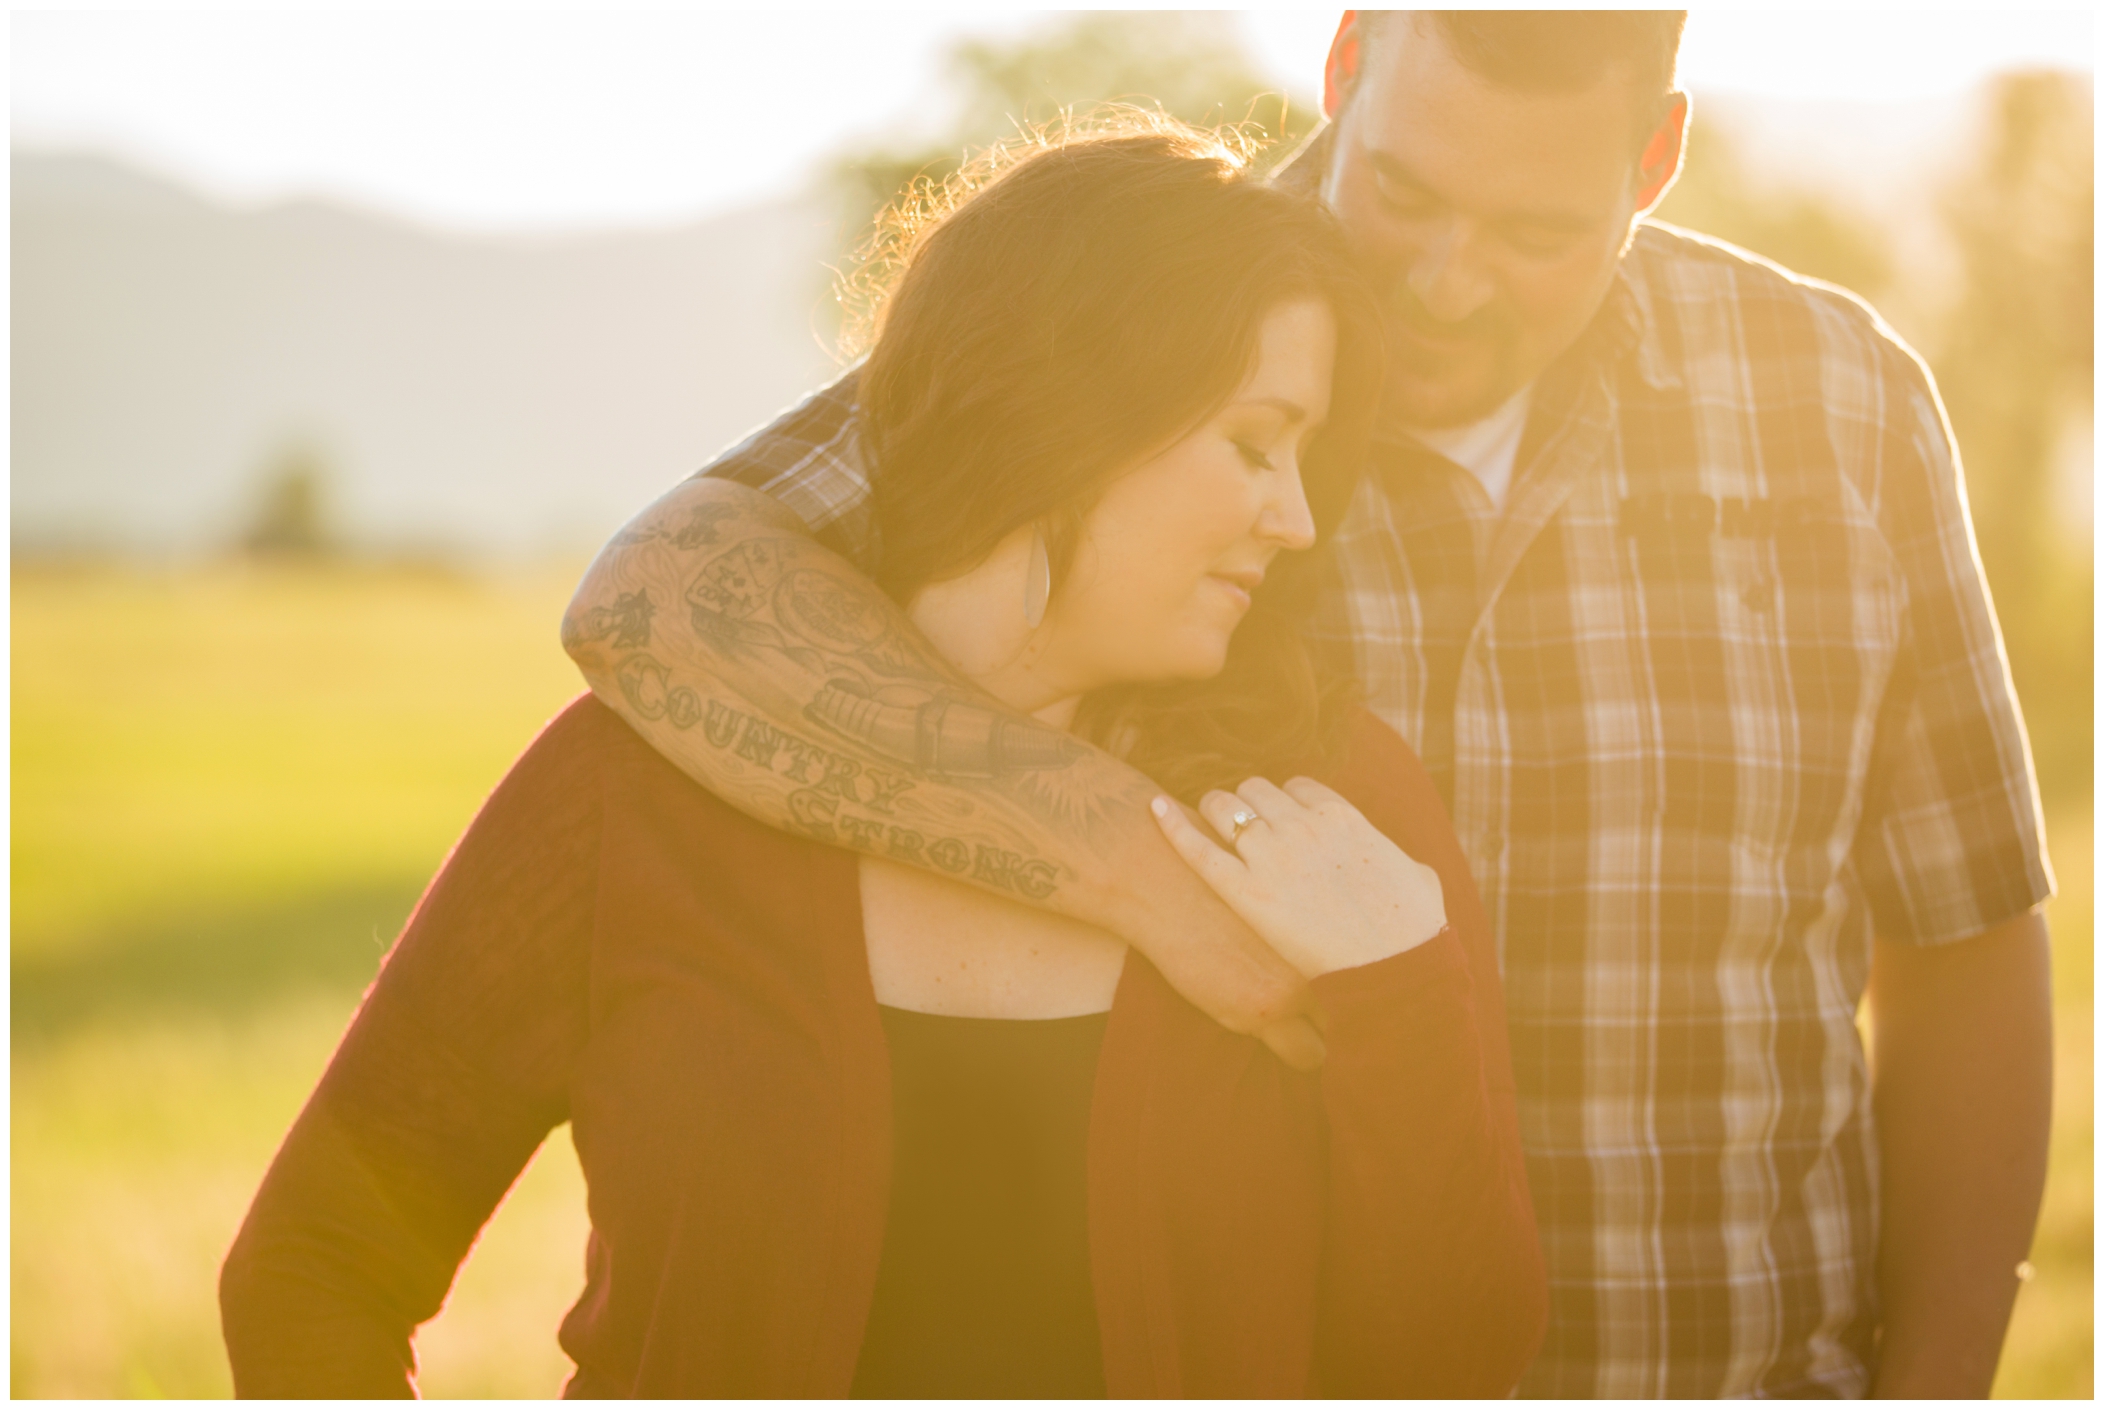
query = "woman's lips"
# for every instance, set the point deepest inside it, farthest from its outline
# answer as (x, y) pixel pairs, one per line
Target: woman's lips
(1239, 586)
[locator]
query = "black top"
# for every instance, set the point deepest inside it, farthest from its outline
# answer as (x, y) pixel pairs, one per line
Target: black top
(983, 1288)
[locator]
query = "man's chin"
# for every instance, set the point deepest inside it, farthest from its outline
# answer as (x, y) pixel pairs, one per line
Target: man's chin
(1432, 403)
(1449, 388)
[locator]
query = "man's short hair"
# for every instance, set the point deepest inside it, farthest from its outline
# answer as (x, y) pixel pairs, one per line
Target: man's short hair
(1557, 51)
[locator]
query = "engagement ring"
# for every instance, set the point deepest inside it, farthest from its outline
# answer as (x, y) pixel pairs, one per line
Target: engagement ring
(1242, 818)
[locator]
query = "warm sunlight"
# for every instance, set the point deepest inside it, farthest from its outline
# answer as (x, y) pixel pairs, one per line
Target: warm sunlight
(590, 120)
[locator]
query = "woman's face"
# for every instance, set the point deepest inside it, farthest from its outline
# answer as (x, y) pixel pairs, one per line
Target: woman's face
(1169, 556)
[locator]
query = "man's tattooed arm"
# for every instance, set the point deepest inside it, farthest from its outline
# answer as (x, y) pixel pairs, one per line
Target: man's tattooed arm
(785, 682)
(878, 718)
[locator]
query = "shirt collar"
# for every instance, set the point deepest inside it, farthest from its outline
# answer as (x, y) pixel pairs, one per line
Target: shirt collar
(1632, 303)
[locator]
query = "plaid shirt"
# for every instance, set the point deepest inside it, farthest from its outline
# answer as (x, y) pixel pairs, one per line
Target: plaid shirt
(1718, 695)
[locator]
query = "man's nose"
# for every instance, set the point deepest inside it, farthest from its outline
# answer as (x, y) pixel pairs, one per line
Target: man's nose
(1448, 275)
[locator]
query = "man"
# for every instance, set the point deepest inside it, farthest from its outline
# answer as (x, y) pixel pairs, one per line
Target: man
(1663, 564)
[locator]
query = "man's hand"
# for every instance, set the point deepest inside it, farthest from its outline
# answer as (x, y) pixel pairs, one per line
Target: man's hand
(1962, 1055)
(786, 683)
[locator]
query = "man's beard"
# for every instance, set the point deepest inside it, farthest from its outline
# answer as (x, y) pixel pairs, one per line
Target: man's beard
(1471, 376)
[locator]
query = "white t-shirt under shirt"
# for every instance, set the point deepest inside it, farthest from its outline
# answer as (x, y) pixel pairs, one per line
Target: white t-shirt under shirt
(1486, 448)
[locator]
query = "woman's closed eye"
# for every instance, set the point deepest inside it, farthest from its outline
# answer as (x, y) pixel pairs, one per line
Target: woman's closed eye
(1254, 458)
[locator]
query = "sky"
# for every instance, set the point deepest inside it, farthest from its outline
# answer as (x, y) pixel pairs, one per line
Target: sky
(477, 120)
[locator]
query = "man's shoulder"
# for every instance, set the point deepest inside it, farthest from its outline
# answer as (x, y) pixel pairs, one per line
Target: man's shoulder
(1697, 293)
(1688, 264)
(811, 461)
(1764, 351)
(821, 426)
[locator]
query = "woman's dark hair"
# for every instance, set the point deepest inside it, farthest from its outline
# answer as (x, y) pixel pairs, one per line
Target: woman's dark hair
(1062, 310)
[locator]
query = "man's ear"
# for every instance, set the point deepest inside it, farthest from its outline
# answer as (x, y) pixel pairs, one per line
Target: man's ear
(1660, 163)
(1341, 70)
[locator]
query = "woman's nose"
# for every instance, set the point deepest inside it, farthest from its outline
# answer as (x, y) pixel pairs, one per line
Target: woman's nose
(1286, 519)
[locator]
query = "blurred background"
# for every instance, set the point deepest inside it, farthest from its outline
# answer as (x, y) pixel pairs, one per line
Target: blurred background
(340, 341)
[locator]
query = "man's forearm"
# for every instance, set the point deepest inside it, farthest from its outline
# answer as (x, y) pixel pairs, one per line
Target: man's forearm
(785, 682)
(765, 668)
(1962, 1056)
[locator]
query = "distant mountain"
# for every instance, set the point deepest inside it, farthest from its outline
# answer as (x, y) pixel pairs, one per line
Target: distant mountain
(494, 395)
(515, 394)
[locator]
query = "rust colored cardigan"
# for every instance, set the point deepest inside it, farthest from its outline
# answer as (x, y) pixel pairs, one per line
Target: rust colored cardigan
(610, 945)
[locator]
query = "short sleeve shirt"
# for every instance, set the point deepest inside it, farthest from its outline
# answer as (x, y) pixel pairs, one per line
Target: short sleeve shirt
(1714, 697)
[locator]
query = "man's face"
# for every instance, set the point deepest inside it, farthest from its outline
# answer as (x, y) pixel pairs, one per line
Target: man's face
(1491, 218)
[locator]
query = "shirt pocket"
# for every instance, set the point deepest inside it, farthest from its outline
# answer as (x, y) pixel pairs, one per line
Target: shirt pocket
(1771, 627)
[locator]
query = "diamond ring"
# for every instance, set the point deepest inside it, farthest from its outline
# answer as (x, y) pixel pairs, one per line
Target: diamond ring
(1241, 819)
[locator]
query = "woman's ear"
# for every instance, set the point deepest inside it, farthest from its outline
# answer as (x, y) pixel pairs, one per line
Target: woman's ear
(1341, 70)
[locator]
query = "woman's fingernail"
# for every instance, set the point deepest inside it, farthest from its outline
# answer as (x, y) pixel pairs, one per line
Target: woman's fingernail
(1161, 807)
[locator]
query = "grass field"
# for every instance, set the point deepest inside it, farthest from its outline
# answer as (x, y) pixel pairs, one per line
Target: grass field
(229, 787)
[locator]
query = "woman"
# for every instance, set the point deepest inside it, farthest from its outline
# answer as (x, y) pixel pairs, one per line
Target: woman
(850, 1126)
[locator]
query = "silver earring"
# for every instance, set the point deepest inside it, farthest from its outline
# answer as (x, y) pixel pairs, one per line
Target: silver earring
(1037, 579)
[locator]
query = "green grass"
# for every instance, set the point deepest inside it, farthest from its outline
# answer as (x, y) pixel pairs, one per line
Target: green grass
(229, 788)
(137, 1147)
(244, 739)
(2049, 1350)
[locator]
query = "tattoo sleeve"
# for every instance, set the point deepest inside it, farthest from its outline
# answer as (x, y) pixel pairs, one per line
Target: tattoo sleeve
(785, 682)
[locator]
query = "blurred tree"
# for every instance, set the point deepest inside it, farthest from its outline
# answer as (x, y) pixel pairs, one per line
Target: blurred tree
(2015, 361)
(1187, 63)
(1797, 229)
(290, 519)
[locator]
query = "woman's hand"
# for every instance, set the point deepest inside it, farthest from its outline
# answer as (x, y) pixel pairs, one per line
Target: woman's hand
(1309, 873)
